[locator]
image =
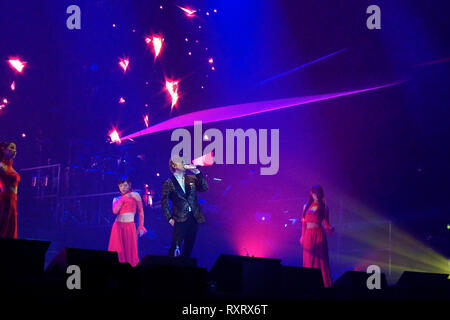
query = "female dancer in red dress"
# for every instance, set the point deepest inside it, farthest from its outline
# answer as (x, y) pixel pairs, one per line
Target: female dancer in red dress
(9, 181)
(123, 238)
(313, 239)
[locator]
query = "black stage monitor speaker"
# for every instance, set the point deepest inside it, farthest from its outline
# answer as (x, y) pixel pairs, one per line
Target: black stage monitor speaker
(299, 281)
(247, 276)
(73, 256)
(153, 259)
(98, 269)
(410, 279)
(422, 280)
(357, 281)
(165, 277)
(22, 259)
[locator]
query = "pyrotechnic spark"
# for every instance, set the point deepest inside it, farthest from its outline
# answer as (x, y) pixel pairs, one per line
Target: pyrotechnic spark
(114, 135)
(172, 89)
(5, 101)
(189, 12)
(146, 121)
(157, 45)
(17, 64)
(123, 63)
(13, 86)
(247, 109)
(121, 100)
(211, 60)
(157, 42)
(2, 106)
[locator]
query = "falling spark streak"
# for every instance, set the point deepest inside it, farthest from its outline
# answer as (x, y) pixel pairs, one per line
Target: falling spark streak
(146, 121)
(172, 89)
(247, 109)
(13, 86)
(189, 12)
(302, 66)
(114, 135)
(17, 64)
(123, 63)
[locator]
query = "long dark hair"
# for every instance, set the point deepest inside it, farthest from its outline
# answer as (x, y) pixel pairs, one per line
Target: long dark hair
(3, 146)
(318, 190)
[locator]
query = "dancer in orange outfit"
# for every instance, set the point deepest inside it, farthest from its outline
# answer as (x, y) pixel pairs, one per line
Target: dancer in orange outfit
(123, 238)
(9, 181)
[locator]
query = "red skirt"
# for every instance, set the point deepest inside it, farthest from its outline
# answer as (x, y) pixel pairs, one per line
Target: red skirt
(8, 215)
(315, 253)
(123, 240)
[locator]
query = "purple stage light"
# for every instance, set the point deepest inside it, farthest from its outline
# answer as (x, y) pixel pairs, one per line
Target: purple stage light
(302, 66)
(246, 109)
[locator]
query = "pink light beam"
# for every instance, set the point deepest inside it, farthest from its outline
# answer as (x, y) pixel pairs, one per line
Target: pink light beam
(247, 109)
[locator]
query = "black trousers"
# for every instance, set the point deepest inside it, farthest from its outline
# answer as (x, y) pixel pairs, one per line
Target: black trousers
(183, 235)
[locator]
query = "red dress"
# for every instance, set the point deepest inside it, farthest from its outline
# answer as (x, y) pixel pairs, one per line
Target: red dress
(315, 245)
(9, 180)
(123, 238)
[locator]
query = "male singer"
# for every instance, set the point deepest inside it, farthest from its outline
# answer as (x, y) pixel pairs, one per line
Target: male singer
(181, 190)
